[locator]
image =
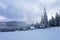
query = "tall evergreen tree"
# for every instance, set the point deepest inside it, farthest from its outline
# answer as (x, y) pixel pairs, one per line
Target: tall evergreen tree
(44, 19)
(57, 20)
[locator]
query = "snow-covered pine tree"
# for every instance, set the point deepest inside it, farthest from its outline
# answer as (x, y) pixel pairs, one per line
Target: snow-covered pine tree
(44, 20)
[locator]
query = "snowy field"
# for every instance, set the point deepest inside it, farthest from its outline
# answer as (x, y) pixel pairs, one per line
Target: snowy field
(40, 34)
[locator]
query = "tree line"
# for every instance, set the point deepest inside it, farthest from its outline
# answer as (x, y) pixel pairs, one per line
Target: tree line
(45, 23)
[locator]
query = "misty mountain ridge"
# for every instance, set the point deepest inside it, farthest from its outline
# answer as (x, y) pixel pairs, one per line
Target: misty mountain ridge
(13, 25)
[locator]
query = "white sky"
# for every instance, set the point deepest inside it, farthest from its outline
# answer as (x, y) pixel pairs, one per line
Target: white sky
(27, 10)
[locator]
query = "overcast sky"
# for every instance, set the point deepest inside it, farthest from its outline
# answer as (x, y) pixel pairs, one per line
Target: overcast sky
(27, 10)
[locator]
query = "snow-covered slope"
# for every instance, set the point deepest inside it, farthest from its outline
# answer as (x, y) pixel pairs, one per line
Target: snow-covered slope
(39, 34)
(13, 25)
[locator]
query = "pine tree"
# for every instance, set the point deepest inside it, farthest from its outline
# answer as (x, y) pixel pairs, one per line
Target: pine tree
(37, 25)
(52, 22)
(57, 20)
(44, 20)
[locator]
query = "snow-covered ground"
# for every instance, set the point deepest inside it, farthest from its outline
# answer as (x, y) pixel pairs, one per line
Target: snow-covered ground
(39, 34)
